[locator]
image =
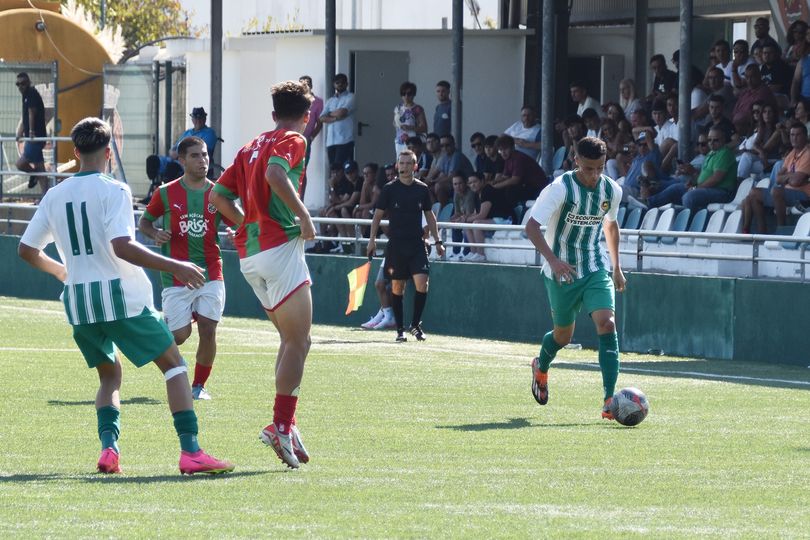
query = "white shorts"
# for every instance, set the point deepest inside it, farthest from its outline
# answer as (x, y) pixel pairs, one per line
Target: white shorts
(179, 302)
(275, 274)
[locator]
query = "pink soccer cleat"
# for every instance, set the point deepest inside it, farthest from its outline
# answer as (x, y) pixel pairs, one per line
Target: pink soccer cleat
(200, 462)
(298, 445)
(282, 444)
(108, 462)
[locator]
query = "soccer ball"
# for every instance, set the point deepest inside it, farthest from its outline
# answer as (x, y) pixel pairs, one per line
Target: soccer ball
(629, 406)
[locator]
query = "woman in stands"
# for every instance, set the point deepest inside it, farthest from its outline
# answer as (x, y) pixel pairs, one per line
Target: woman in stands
(409, 118)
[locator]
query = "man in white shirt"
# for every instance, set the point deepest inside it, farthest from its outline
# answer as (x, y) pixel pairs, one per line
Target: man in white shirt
(580, 96)
(338, 117)
(107, 296)
(526, 132)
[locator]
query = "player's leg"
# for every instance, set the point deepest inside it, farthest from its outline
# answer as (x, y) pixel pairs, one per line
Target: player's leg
(565, 301)
(397, 294)
(209, 304)
(420, 282)
(599, 300)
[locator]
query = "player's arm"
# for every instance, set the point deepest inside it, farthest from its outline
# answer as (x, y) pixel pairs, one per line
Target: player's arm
(563, 271)
(375, 227)
(227, 207)
(159, 236)
(39, 260)
(611, 229)
(276, 176)
(135, 253)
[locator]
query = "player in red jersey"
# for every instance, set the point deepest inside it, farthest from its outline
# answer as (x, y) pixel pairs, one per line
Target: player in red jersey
(266, 176)
(189, 233)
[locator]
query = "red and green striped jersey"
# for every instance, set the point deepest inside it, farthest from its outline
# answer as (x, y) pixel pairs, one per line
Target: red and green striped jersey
(193, 223)
(268, 221)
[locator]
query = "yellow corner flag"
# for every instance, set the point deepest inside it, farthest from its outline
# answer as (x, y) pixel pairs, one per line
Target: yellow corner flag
(357, 286)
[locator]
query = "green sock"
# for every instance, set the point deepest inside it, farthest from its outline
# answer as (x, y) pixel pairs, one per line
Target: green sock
(185, 423)
(548, 351)
(109, 426)
(609, 361)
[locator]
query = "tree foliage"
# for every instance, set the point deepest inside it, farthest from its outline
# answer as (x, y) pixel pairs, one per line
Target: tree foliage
(142, 21)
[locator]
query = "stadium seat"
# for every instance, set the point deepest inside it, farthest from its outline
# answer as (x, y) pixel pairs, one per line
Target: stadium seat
(435, 208)
(802, 230)
(648, 223)
(742, 193)
(765, 183)
(558, 158)
(664, 223)
(445, 213)
(679, 224)
(733, 223)
(620, 215)
(714, 225)
(632, 220)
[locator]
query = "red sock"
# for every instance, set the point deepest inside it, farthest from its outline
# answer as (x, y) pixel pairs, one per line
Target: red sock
(284, 412)
(201, 374)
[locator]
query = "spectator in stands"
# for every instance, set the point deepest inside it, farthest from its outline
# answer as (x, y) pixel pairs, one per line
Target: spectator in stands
(477, 145)
(800, 85)
(433, 150)
(463, 208)
(415, 145)
(685, 173)
(339, 189)
(775, 72)
(755, 91)
(493, 165)
(490, 208)
(442, 118)
(390, 172)
(365, 206)
(338, 115)
(715, 183)
(613, 139)
(695, 75)
(346, 207)
(665, 81)
(616, 113)
(573, 133)
(160, 169)
(760, 149)
(451, 160)
(740, 62)
(627, 97)
(756, 54)
(645, 162)
(639, 121)
(579, 94)
(522, 177)
(716, 119)
(762, 29)
(409, 118)
(666, 132)
(790, 184)
(722, 55)
(314, 125)
(798, 46)
(526, 132)
(715, 86)
(32, 124)
(592, 123)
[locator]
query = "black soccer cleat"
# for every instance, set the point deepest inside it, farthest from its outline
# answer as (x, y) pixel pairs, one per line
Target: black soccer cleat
(401, 337)
(416, 331)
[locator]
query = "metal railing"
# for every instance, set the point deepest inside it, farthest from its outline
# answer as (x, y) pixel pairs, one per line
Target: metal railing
(358, 241)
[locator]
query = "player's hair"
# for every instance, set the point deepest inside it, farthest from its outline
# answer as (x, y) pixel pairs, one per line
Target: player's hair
(505, 141)
(188, 142)
(291, 100)
(591, 148)
(91, 135)
(407, 85)
(443, 84)
(409, 153)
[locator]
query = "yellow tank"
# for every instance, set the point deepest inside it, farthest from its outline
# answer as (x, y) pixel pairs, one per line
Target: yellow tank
(79, 55)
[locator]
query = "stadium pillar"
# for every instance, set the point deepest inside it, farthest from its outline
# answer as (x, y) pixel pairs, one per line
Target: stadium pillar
(684, 82)
(330, 48)
(640, 46)
(547, 86)
(216, 72)
(458, 68)
(167, 108)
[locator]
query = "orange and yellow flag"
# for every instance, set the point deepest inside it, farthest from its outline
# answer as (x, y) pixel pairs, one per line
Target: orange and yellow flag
(357, 286)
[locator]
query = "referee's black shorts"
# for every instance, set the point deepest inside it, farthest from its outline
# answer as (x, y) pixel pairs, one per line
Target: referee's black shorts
(404, 258)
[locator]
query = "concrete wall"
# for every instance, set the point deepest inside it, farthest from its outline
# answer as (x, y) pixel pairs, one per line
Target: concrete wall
(722, 318)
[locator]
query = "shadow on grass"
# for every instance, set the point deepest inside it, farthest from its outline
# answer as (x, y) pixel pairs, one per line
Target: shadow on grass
(347, 341)
(745, 373)
(124, 479)
(512, 423)
(130, 401)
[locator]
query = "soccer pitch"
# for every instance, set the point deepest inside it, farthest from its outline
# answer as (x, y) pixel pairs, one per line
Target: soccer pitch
(433, 440)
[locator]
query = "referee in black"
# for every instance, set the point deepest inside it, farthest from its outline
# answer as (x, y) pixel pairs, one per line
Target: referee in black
(406, 199)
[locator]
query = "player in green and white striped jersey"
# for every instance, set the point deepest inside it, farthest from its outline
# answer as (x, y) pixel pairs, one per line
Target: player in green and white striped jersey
(107, 296)
(575, 209)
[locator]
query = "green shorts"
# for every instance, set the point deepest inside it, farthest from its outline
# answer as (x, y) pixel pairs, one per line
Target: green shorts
(142, 339)
(594, 291)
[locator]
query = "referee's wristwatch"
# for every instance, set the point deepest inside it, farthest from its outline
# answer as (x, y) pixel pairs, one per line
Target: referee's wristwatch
(438, 243)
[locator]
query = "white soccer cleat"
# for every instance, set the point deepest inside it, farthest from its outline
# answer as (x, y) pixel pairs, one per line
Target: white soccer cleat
(374, 321)
(281, 444)
(386, 323)
(298, 445)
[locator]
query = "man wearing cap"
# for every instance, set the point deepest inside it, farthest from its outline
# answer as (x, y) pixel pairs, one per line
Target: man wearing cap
(646, 162)
(168, 166)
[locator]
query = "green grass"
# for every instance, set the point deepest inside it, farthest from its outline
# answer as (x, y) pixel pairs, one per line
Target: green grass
(436, 439)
